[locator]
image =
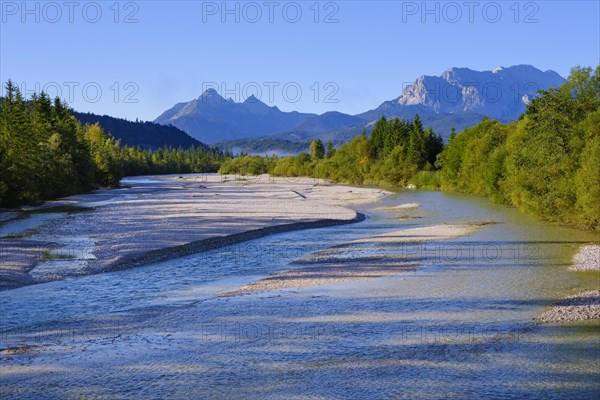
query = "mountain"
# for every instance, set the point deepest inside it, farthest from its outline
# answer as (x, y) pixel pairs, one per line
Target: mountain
(458, 98)
(335, 126)
(148, 135)
(265, 146)
(501, 94)
(211, 118)
(327, 122)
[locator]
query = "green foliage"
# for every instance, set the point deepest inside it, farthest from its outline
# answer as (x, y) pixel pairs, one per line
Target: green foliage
(246, 165)
(545, 154)
(426, 180)
(300, 165)
(393, 154)
(45, 153)
(330, 150)
(473, 161)
(317, 150)
(166, 160)
(419, 147)
(587, 178)
(106, 156)
(351, 162)
(547, 164)
(396, 170)
(400, 149)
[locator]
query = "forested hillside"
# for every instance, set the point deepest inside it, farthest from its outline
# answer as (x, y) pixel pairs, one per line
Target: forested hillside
(46, 153)
(147, 135)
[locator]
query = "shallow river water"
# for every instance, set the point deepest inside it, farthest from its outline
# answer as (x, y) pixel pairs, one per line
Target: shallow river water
(460, 325)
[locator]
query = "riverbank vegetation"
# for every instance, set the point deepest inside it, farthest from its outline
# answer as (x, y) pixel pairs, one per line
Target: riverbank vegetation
(395, 152)
(547, 163)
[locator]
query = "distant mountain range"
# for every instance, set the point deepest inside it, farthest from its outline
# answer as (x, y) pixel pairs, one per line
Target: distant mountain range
(458, 98)
(211, 118)
(147, 135)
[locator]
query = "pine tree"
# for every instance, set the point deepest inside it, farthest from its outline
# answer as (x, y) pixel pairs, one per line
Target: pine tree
(330, 149)
(317, 150)
(19, 166)
(377, 140)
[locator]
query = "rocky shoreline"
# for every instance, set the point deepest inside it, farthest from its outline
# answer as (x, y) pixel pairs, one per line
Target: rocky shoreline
(582, 306)
(587, 259)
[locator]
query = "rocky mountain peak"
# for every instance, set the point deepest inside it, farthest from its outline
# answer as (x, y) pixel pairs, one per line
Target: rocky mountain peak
(501, 93)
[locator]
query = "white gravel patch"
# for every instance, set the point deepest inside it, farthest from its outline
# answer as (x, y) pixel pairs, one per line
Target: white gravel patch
(582, 306)
(72, 247)
(33, 222)
(112, 200)
(134, 181)
(423, 234)
(159, 215)
(401, 207)
(337, 264)
(587, 259)
(71, 257)
(57, 269)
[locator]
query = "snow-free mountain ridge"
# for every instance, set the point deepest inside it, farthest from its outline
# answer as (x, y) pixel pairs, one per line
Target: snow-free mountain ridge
(458, 98)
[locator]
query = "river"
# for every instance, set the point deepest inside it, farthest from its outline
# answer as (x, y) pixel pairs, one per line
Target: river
(458, 325)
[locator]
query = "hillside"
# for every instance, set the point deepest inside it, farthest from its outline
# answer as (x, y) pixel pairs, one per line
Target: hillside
(147, 135)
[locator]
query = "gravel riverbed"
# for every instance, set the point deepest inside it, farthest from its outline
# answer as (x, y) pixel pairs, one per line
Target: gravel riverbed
(157, 218)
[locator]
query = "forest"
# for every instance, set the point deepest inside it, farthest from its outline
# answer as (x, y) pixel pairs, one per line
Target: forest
(395, 152)
(547, 163)
(146, 134)
(46, 153)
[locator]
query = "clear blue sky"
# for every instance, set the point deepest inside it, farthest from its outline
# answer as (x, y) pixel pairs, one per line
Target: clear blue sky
(367, 51)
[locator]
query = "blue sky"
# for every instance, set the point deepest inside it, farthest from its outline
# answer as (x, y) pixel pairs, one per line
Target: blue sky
(135, 59)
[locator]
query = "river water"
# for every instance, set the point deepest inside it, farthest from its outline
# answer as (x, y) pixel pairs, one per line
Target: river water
(458, 325)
